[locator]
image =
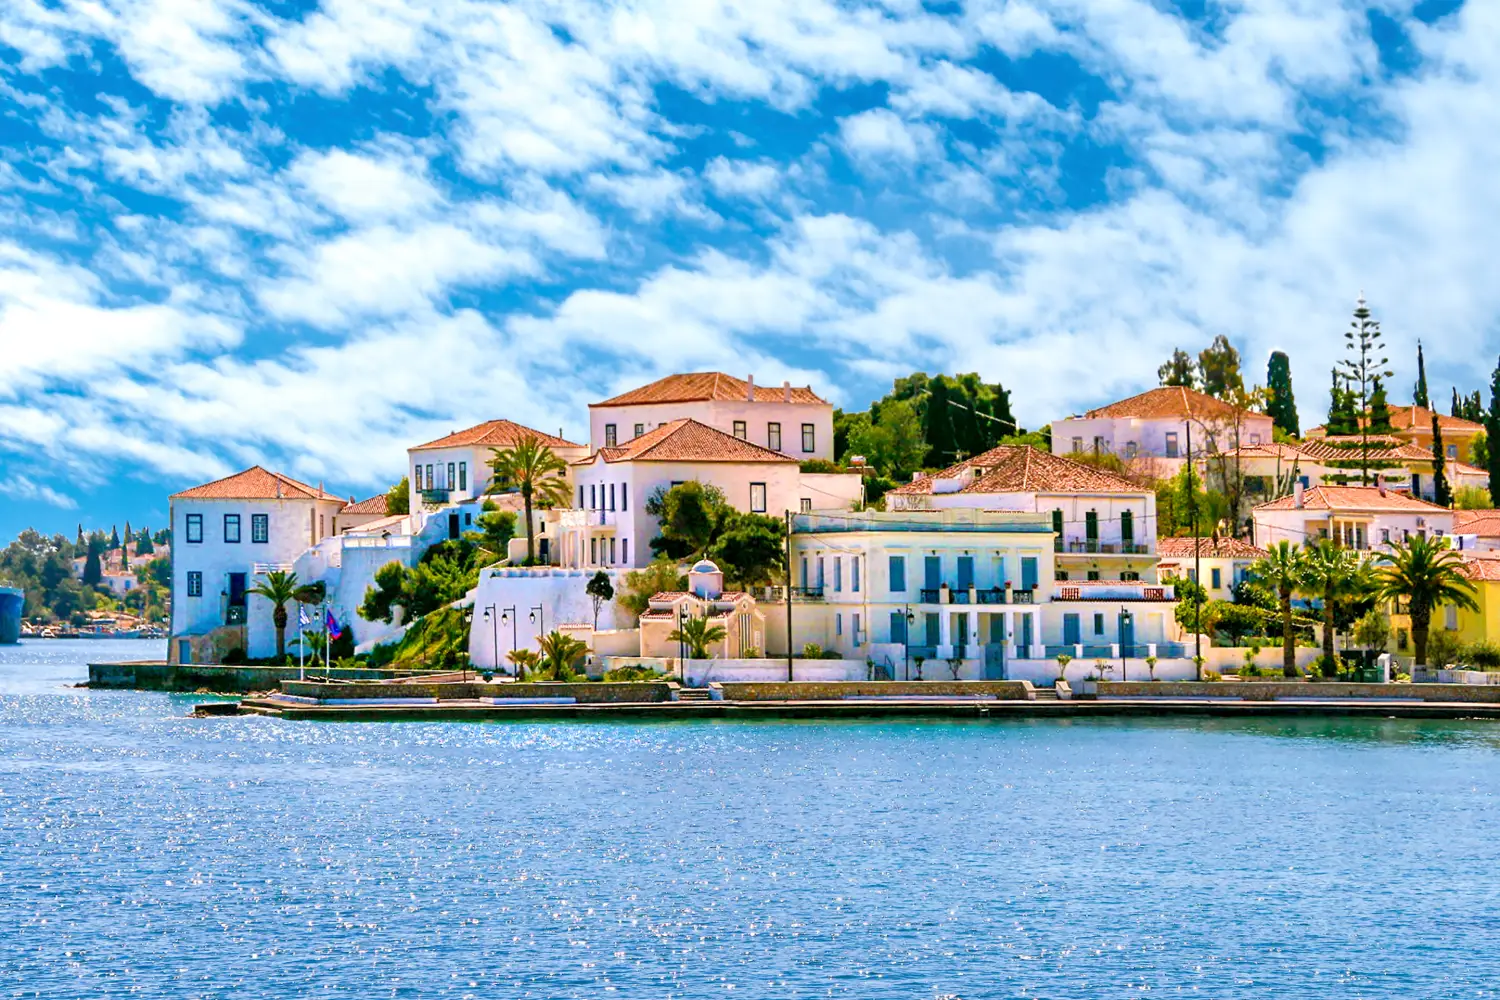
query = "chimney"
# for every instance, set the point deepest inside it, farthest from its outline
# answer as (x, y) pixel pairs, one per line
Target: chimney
(786, 391)
(750, 388)
(1297, 495)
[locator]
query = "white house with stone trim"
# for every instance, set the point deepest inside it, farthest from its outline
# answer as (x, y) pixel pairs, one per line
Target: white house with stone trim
(1358, 517)
(792, 420)
(1220, 564)
(226, 535)
(1151, 430)
(456, 467)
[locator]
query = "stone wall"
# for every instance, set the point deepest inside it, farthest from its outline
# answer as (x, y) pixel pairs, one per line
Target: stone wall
(159, 676)
(1274, 690)
(584, 694)
(835, 690)
(770, 669)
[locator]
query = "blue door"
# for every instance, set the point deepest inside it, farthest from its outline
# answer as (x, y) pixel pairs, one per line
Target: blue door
(1127, 634)
(965, 572)
(1028, 572)
(1071, 632)
(934, 629)
(898, 627)
(933, 569)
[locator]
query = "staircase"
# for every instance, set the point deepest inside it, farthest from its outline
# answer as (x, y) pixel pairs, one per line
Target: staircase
(1046, 694)
(693, 694)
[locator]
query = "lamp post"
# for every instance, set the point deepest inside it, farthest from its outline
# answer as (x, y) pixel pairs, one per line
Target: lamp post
(1126, 621)
(539, 619)
(508, 617)
(494, 620)
(906, 645)
(468, 620)
(682, 643)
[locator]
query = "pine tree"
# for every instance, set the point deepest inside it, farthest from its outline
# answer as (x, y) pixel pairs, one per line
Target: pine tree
(1474, 408)
(1219, 364)
(1419, 392)
(1363, 368)
(1457, 409)
(1380, 411)
(143, 546)
(1492, 435)
(1341, 416)
(1441, 495)
(114, 538)
(1282, 407)
(937, 425)
(1178, 370)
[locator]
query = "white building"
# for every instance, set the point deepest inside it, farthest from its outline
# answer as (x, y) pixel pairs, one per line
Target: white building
(1104, 526)
(965, 589)
(1477, 530)
(1152, 429)
(794, 421)
(1359, 517)
(1220, 564)
(361, 513)
(456, 468)
(609, 525)
(225, 535)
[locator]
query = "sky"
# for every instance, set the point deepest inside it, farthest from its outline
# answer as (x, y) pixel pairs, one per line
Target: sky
(313, 235)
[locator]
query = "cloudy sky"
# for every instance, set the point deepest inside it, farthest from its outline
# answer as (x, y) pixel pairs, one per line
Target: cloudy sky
(311, 235)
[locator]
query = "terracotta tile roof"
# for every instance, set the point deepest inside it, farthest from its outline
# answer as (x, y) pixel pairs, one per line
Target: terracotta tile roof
(686, 440)
(1420, 418)
(1024, 469)
(255, 483)
(1354, 498)
(1286, 452)
(496, 434)
(696, 387)
(1166, 401)
(1213, 548)
(1485, 568)
(374, 505)
(1379, 447)
(1477, 522)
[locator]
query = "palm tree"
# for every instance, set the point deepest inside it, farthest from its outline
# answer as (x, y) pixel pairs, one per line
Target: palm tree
(1330, 572)
(559, 653)
(537, 473)
(1281, 569)
(1426, 575)
(699, 635)
(524, 660)
(281, 588)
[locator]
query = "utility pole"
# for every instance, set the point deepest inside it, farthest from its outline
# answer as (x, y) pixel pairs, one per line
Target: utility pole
(1197, 559)
(788, 592)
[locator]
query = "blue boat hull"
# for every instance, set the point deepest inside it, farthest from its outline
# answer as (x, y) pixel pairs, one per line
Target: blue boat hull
(11, 601)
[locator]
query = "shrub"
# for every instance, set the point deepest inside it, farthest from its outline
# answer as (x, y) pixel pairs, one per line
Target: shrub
(234, 657)
(633, 672)
(1212, 675)
(1443, 648)
(813, 651)
(1483, 655)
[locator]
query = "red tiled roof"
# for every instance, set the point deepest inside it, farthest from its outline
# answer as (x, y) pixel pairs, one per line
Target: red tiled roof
(1213, 548)
(1477, 522)
(1377, 447)
(1482, 567)
(1420, 418)
(1286, 452)
(375, 505)
(1166, 401)
(255, 483)
(1358, 498)
(1024, 469)
(696, 387)
(496, 434)
(686, 440)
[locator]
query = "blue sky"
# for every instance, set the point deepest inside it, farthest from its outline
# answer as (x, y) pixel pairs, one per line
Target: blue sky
(311, 235)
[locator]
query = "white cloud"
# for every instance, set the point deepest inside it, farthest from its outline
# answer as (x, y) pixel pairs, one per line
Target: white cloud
(879, 135)
(742, 178)
(367, 188)
(24, 488)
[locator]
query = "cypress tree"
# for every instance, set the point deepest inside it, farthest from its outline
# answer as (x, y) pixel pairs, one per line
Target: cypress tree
(1341, 416)
(1474, 408)
(1441, 495)
(92, 573)
(1282, 407)
(1004, 424)
(80, 543)
(1492, 436)
(143, 546)
(1380, 411)
(1419, 393)
(114, 538)
(1457, 409)
(937, 425)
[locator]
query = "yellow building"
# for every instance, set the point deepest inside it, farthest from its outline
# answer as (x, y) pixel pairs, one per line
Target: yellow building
(1474, 626)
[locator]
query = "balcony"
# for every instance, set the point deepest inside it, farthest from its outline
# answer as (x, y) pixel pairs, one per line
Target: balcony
(1023, 597)
(928, 596)
(582, 517)
(807, 593)
(991, 595)
(1113, 590)
(958, 595)
(436, 497)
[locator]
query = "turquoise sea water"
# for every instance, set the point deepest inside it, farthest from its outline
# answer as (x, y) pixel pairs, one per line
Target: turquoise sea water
(143, 853)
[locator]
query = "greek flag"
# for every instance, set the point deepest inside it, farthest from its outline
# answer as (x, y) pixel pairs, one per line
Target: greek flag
(302, 616)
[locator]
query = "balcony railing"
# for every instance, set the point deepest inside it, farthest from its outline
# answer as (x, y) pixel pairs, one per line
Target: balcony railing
(807, 593)
(958, 595)
(928, 595)
(1023, 597)
(990, 595)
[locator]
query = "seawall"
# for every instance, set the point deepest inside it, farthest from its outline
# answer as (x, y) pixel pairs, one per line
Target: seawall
(158, 675)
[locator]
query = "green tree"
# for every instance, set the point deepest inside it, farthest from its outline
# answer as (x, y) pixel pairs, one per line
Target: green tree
(281, 588)
(385, 594)
(1456, 408)
(560, 654)
(1281, 569)
(937, 426)
(1419, 391)
(1281, 405)
(1329, 572)
(1441, 495)
(640, 584)
(92, 572)
(599, 590)
(114, 538)
(750, 548)
(398, 498)
(1373, 630)
(698, 634)
(1471, 498)
(143, 543)
(1219, 365)
(1179, 370)
(537, 473)
(1474, 408)
(1492, 433)
(1342, 420)
(690, 514)
(890, 439)
(1424, 574)
(496, 528)
(1363, 369)
(1380, 410)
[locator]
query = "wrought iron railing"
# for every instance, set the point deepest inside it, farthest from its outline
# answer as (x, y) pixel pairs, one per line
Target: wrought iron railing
(928, 595)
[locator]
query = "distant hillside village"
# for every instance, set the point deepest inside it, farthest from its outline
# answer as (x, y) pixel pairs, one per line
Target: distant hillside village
(718, 527)
(96, 583)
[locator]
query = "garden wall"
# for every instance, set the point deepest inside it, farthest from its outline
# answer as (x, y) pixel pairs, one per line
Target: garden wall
(835, 690)
(1274, 690)
(702, 672)
(584, 694)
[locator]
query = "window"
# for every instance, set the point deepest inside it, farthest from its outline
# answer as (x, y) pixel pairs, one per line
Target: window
(838, 624)
(609, 435)
(838, 574)
(1171, 444)
(898, 573)
(1255, 439)
(1093, 574)
(431, 485)
(758, 498)
(809, 442)
(1453, 451)
(625, 550)
(1130, 574)
(195, 528)
(1450, 618)
(822, 579)
(854, 574)
(580, 494)
(856, 628)
(195, 584)
(1216, 577)
(624, 497)
(739, 429)
(773, 437)
(1127, 529)
(805, 505)
(611, 496)
(260, 528)
(640, 429)
(1385, 536)
(469, 519)
(611, 551)
(1131, 449)
(1098, 444)
(1098, 623)
(452, 478)
(1091, 527)
(593, 551)
(898, 627)
(416, 478)
(463, 475)
(1077, 445)
(232, 528)
(593, 498)
(1059, 574)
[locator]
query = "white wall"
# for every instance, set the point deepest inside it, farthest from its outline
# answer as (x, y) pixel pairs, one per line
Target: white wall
(703, 672)
(722, 415)
(1150, 435)
(559, 592)
(1301, 526)
(1075, 508)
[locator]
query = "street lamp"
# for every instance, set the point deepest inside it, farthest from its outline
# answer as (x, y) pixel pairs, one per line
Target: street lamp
(508, 617)
(682, 642)
(494, 620)
(906, 645)
(1127, 622)
(539, 619)
(468, 620)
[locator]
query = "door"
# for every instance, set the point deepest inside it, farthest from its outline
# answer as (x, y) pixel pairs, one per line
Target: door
(898, 627)
(965, 572)
(1028, 572)
(237, 590)
(1026, 633)
(453, 526)
(933, 570)
(994, 662)
(1127, 634)
(934, 629)
(541, 552)
(1072, 635)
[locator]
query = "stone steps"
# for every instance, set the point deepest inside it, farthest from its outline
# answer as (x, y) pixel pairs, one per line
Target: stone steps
(693, 694)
